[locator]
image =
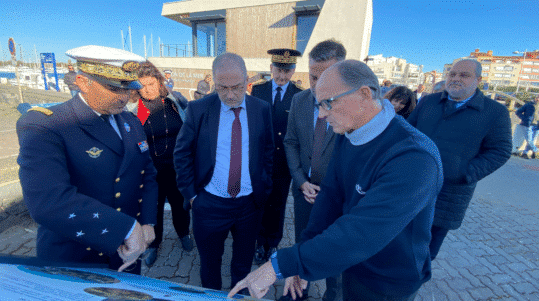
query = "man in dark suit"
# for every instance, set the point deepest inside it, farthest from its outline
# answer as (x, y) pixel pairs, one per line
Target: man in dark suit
(223, 160)
(308, 151)
(278, 93)
(85, 170)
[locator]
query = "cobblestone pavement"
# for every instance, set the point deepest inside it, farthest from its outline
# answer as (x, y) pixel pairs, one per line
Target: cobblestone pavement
(493, 256)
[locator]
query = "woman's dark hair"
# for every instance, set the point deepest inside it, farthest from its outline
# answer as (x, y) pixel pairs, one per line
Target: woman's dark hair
(402, 93)
(148, 69)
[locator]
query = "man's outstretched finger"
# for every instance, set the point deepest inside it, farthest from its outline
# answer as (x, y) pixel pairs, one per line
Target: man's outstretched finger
(239, 286)
(126, 265)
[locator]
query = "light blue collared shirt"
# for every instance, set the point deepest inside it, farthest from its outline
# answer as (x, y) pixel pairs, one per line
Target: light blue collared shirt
(374, 127)
(462, 102)
(274, 90)
(218, 184)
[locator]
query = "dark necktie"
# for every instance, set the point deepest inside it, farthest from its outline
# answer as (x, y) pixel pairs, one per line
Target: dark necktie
(106, 118)
(234, 174)
(318, 146)
(277, 96)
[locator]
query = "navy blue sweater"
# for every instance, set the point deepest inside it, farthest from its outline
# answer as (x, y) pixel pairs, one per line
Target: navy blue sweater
(373, 214)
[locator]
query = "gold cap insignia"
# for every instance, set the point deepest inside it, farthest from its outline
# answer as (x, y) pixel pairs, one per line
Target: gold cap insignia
(286, 54)
(130, 66)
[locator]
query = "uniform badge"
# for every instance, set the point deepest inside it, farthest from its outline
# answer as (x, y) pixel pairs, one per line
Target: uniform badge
(127, 127)
(143, 145)
(94, 152)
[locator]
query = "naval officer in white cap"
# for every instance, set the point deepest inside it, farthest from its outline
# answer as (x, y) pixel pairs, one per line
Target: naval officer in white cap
(85, 170)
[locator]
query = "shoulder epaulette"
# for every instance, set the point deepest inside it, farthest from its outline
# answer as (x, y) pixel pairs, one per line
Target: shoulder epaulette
(41, 110)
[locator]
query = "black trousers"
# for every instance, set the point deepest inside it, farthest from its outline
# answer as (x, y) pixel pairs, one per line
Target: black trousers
(213, 218)
(438, 236)
(166, 181)
(271, 231)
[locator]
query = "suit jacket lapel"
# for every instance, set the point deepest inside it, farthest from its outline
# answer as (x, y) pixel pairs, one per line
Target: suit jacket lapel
(214, 113)
(309, 118)
(96, 127)
(252, 122)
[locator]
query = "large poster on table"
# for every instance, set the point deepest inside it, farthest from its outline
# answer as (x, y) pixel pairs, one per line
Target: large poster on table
(24, 282)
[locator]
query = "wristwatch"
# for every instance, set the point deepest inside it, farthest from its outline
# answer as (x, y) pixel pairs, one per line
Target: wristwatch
(275, 266)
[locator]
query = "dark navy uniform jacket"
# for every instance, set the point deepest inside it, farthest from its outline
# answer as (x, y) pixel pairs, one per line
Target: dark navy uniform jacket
(280, 121)
(83, 184)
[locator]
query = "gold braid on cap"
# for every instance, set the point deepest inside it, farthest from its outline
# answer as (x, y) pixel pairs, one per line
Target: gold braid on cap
(284, 59)
(125, 73)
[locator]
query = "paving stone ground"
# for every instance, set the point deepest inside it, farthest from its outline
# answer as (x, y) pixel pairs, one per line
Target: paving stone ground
(493, 256)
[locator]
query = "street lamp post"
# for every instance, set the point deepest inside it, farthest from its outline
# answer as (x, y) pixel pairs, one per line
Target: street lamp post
(522, 66)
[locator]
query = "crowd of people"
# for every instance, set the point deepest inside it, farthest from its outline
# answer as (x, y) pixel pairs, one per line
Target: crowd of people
(379, 176)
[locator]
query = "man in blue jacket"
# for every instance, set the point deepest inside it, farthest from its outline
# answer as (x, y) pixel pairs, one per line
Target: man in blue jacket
(472, 133)
(372, 217)
(524, 130)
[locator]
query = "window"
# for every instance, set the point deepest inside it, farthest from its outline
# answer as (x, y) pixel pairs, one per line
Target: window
(507, 75)
(536, 63)
(499, 68)
(508, 68)
(305, 28)
(484, 74)
(498, 75)
(486, 68)
(527, 70)
(534, 76)
(210, 38)
(535, 70)
(525, 77)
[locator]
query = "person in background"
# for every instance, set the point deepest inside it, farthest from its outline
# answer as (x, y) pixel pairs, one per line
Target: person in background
(169, 83)
(386, 86)
(86, 174)
(402, 99)
(223, 160)
(162, 125)
(309, 143)
(420, 92)
(524, 130)
(438, 87)
(203, 87)
(278, 93)
(372, 217)
(473, 135)
(69, 80)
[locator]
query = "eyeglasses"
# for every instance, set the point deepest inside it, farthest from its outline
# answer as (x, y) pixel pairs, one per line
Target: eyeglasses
(234, 89)
(326, 103)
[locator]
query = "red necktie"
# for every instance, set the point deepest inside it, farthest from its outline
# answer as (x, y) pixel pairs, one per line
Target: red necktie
(234, 174)
(318, 146)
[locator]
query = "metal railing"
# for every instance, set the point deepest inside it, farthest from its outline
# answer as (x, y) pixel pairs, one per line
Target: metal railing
(176, 50)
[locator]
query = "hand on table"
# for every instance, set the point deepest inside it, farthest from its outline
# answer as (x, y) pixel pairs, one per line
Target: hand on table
(133, 247)
(258, 281)
(295, 286)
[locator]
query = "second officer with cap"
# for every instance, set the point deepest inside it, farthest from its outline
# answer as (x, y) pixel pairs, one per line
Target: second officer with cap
(85, 170)
(278, 93)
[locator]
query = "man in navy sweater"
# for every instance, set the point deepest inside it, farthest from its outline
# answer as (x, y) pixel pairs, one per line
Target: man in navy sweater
(372, 217)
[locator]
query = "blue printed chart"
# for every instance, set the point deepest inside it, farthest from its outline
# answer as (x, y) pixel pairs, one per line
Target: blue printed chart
(25, 283)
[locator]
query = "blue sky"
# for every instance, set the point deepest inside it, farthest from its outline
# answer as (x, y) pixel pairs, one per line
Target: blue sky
(431, 33)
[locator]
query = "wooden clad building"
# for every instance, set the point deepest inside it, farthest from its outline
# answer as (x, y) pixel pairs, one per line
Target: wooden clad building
(250, 28)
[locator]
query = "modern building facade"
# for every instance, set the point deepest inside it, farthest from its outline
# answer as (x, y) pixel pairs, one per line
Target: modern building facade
(250, 28)
(522, 70)
(397, 70)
